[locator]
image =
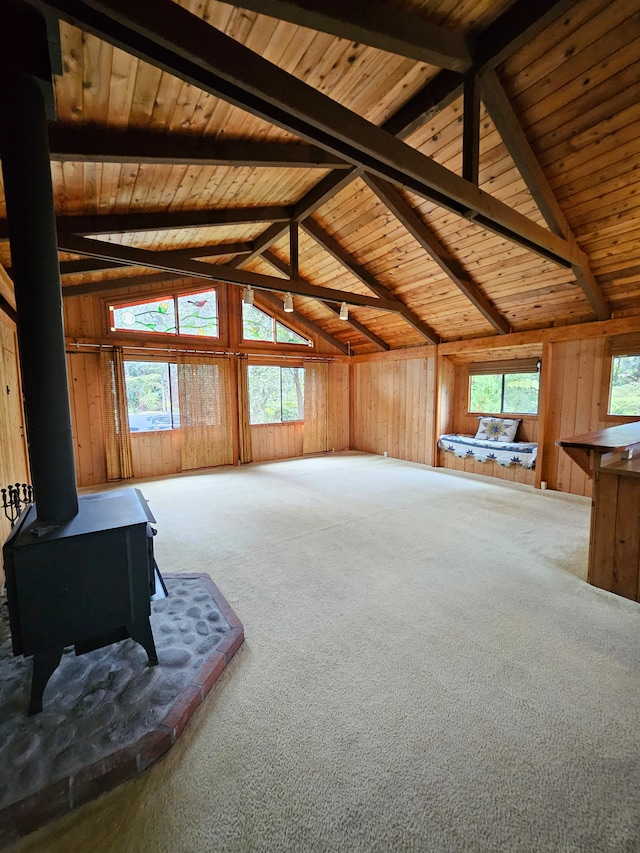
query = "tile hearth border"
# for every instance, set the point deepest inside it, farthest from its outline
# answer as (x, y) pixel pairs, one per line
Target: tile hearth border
(57, 799)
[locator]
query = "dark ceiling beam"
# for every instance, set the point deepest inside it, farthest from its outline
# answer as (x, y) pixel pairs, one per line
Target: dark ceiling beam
(127, 223)
(375, 23)
(522, 21)
(431, 244)
(80, 144)
(166, 262)
(109, 284)
(331, 245)
(171, 38)
(301, 320)
(509, 127)
(471, 129)
(93, 265)
(285, 269)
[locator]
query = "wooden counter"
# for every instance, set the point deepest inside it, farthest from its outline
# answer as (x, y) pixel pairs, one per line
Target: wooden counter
(612, 458)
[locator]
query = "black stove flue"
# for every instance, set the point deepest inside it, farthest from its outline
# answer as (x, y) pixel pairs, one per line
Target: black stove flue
(79, 571)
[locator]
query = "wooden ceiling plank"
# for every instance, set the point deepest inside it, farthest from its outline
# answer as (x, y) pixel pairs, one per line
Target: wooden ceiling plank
(184, 45)
(375, 23)
(431, 244)
(330, 245)
(518, 25)
(81, 144)
(513, 136)
(285, 269)
(185, 267)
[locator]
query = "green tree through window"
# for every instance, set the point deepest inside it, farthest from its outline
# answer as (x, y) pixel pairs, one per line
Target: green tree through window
(624, 398)
(276, 394)
(152, 395)
(504, 393)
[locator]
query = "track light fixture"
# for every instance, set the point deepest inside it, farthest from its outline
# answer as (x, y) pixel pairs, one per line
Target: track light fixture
(344, 311)
(247, 295)
(288, 302)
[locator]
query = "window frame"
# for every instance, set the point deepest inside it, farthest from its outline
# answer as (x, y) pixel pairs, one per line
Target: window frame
(281, 347)
(511, 372)
(143, 358)
(193, 341)
(607, 380)
(272, 363)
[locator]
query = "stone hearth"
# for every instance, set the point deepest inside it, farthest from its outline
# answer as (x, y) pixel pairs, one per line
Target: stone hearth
(107, 716)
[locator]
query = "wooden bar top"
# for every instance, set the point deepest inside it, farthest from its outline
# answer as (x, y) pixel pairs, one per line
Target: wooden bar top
(611, 440)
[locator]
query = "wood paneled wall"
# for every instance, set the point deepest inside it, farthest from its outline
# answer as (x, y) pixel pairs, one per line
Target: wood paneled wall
(83, 370)
(393, 407)
(577, 399)
(157, 454)
(14, 467)
(277, 441)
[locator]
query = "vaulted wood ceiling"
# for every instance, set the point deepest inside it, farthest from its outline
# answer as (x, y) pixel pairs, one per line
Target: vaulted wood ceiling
(522, 212)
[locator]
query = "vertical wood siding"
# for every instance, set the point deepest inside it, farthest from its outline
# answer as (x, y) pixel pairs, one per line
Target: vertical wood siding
(14, 467)
(393, 408)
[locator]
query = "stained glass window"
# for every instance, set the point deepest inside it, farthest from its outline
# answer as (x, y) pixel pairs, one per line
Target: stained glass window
(257, 325)
(198, 314)
(185, 314)
(285, 335)
(157, 316)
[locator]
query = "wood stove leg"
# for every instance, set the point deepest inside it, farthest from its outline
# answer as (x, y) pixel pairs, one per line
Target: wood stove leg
(44, 665)
(140, 631)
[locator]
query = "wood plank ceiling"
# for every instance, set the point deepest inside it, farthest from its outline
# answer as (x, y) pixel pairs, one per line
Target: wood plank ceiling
(544, 230)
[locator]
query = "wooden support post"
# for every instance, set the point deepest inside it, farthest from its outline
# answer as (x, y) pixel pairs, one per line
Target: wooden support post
(471, 129)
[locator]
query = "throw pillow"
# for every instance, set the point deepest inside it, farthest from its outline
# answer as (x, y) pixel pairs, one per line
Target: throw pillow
(497, 429)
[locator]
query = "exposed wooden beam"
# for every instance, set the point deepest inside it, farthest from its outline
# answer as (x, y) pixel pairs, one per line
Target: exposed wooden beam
(69, 290)
(513, 136)
(293, 250)
(518, 25)
(93, 265)
(267, 238)
(471, 129)
(166, 262)
(375, 23)
(127, 223)
(331, 245)
(403, 211)
(171, 38)
(308, 324)
(81, 144)
(285, 269)
(324, 190)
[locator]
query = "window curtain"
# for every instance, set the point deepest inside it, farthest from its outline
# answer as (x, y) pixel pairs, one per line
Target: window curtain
(205, 412)
(115, 416)
(244, 429)
(316, 407)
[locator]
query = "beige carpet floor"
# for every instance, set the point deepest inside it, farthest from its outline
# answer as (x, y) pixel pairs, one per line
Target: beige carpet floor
(425, 670)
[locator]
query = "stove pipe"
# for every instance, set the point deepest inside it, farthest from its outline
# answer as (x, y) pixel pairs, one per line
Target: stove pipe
(24, 148)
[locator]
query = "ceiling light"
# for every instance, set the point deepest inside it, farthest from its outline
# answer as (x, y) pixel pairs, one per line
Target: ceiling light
(288, 303)
(247, 296)
(344, 311)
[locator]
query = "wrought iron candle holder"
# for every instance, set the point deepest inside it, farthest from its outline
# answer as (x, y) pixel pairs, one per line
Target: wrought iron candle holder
(14, 499)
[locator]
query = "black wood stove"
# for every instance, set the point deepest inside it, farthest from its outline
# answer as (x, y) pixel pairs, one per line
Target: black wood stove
(80, 571)
(86, 583)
